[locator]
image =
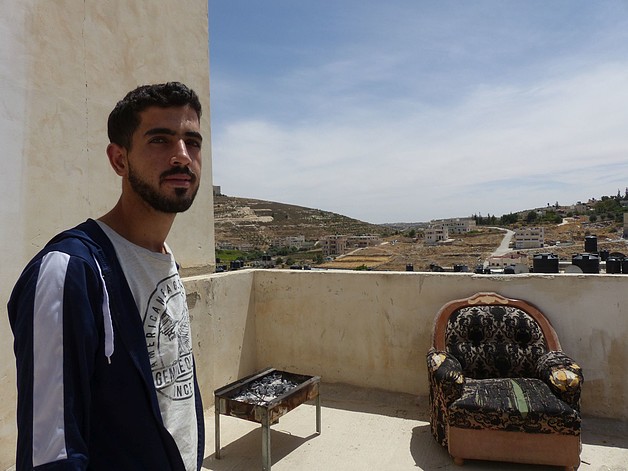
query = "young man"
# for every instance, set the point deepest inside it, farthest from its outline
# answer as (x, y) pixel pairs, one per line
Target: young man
(105, 372)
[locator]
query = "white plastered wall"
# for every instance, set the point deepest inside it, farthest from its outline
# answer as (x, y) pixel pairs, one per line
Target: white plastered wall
(63, 66)
(373, 329)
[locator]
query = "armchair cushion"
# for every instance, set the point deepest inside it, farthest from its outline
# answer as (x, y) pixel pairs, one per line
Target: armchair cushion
(513, 405)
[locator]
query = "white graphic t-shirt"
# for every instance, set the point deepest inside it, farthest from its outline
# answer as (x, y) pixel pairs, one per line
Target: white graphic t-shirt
(160, 298)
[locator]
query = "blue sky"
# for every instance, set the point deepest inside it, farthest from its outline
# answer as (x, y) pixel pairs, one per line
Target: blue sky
(411, 110)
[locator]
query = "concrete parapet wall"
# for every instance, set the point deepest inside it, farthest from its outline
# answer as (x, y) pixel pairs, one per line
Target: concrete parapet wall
(373, 329)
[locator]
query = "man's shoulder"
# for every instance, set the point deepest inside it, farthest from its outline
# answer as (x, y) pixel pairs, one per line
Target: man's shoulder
(79, 240)
(72, 251)
(85, 241)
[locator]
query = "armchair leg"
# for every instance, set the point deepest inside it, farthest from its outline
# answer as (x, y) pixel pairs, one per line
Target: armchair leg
(460, 461)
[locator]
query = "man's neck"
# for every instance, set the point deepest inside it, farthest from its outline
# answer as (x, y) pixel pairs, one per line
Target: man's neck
(147, 229)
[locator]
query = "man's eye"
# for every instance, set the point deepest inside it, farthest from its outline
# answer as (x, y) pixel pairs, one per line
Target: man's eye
(157, 140)
(194, 143)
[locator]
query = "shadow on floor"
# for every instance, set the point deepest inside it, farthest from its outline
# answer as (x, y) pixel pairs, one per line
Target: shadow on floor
(245, 453)
(604, 432)
(374, 401)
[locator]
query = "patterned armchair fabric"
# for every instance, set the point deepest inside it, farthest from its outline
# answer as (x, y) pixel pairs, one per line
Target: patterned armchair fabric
(563, 376)
(496, 365)
(494, 341)
(446, 385)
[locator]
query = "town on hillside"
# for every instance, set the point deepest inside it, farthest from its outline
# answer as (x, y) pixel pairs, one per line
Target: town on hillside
(586, 237)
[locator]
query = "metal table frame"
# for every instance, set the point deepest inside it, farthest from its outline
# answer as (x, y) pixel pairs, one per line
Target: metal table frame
(268, 413)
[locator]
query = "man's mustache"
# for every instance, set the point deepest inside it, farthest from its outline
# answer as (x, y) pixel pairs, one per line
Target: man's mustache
(179, 171)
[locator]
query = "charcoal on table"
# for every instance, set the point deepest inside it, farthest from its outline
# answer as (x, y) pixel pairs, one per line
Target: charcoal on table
(266, 389)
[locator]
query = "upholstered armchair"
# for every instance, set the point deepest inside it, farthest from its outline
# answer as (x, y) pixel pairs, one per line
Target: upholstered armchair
(500, 387)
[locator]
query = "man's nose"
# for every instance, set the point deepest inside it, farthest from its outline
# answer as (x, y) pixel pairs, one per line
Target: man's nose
(181, 156)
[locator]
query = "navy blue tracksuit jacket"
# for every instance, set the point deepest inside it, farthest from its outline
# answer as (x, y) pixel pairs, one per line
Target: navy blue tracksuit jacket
(86, 397)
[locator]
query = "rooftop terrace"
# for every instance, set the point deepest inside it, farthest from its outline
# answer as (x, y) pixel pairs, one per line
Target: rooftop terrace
(366, 429)
(366, 335)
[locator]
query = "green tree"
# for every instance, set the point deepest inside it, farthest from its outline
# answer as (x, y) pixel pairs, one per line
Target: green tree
(607, 205)
(509, 219)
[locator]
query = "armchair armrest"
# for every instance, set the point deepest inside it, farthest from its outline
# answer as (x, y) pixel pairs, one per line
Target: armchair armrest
(446, 384)
(445, 373)
(563, 376)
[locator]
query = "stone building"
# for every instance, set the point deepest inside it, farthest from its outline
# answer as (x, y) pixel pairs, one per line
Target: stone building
(530, 238)
(435, 234)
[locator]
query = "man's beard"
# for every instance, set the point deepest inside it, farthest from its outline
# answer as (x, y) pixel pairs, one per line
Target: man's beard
(166, 204)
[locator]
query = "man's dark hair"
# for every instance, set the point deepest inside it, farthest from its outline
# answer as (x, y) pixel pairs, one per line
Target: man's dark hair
(125, 117)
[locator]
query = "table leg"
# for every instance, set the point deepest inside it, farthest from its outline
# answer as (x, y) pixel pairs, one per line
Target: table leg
(217, 430)
(318, 414)
(266, 461)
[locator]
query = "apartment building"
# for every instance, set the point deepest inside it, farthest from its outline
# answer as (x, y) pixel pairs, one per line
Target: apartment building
(512, 258)
(435, 234)
(456, 225)
(291, 241)
(363, 241)
(530, 238)
(333, 245)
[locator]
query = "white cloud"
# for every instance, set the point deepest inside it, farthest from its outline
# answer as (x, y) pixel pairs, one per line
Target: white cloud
(388, 133)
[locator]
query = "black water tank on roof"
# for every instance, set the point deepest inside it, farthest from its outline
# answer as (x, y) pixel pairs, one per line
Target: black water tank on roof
(587, 262)
(613, 264)
(236, 264)
(590, 244)
(545, 263)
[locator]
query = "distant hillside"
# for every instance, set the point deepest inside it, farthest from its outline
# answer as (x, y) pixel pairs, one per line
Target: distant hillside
(246, 221)
(258, 222)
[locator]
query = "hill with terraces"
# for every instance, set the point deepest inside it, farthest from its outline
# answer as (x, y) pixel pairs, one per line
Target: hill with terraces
(258, 223)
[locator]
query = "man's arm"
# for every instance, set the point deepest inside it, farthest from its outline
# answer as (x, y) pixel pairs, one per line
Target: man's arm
(52, 314)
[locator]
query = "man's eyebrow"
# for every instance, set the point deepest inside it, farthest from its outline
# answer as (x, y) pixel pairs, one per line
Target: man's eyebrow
(154, 131)
(194, 134)
(171, 132)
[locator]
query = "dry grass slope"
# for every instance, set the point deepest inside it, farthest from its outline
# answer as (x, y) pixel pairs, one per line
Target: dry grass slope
(258, 222)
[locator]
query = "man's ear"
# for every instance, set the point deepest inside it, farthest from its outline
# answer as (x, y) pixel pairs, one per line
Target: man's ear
(117, 158)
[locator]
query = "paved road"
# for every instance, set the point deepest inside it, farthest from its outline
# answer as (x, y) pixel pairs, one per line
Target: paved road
(504, 247)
